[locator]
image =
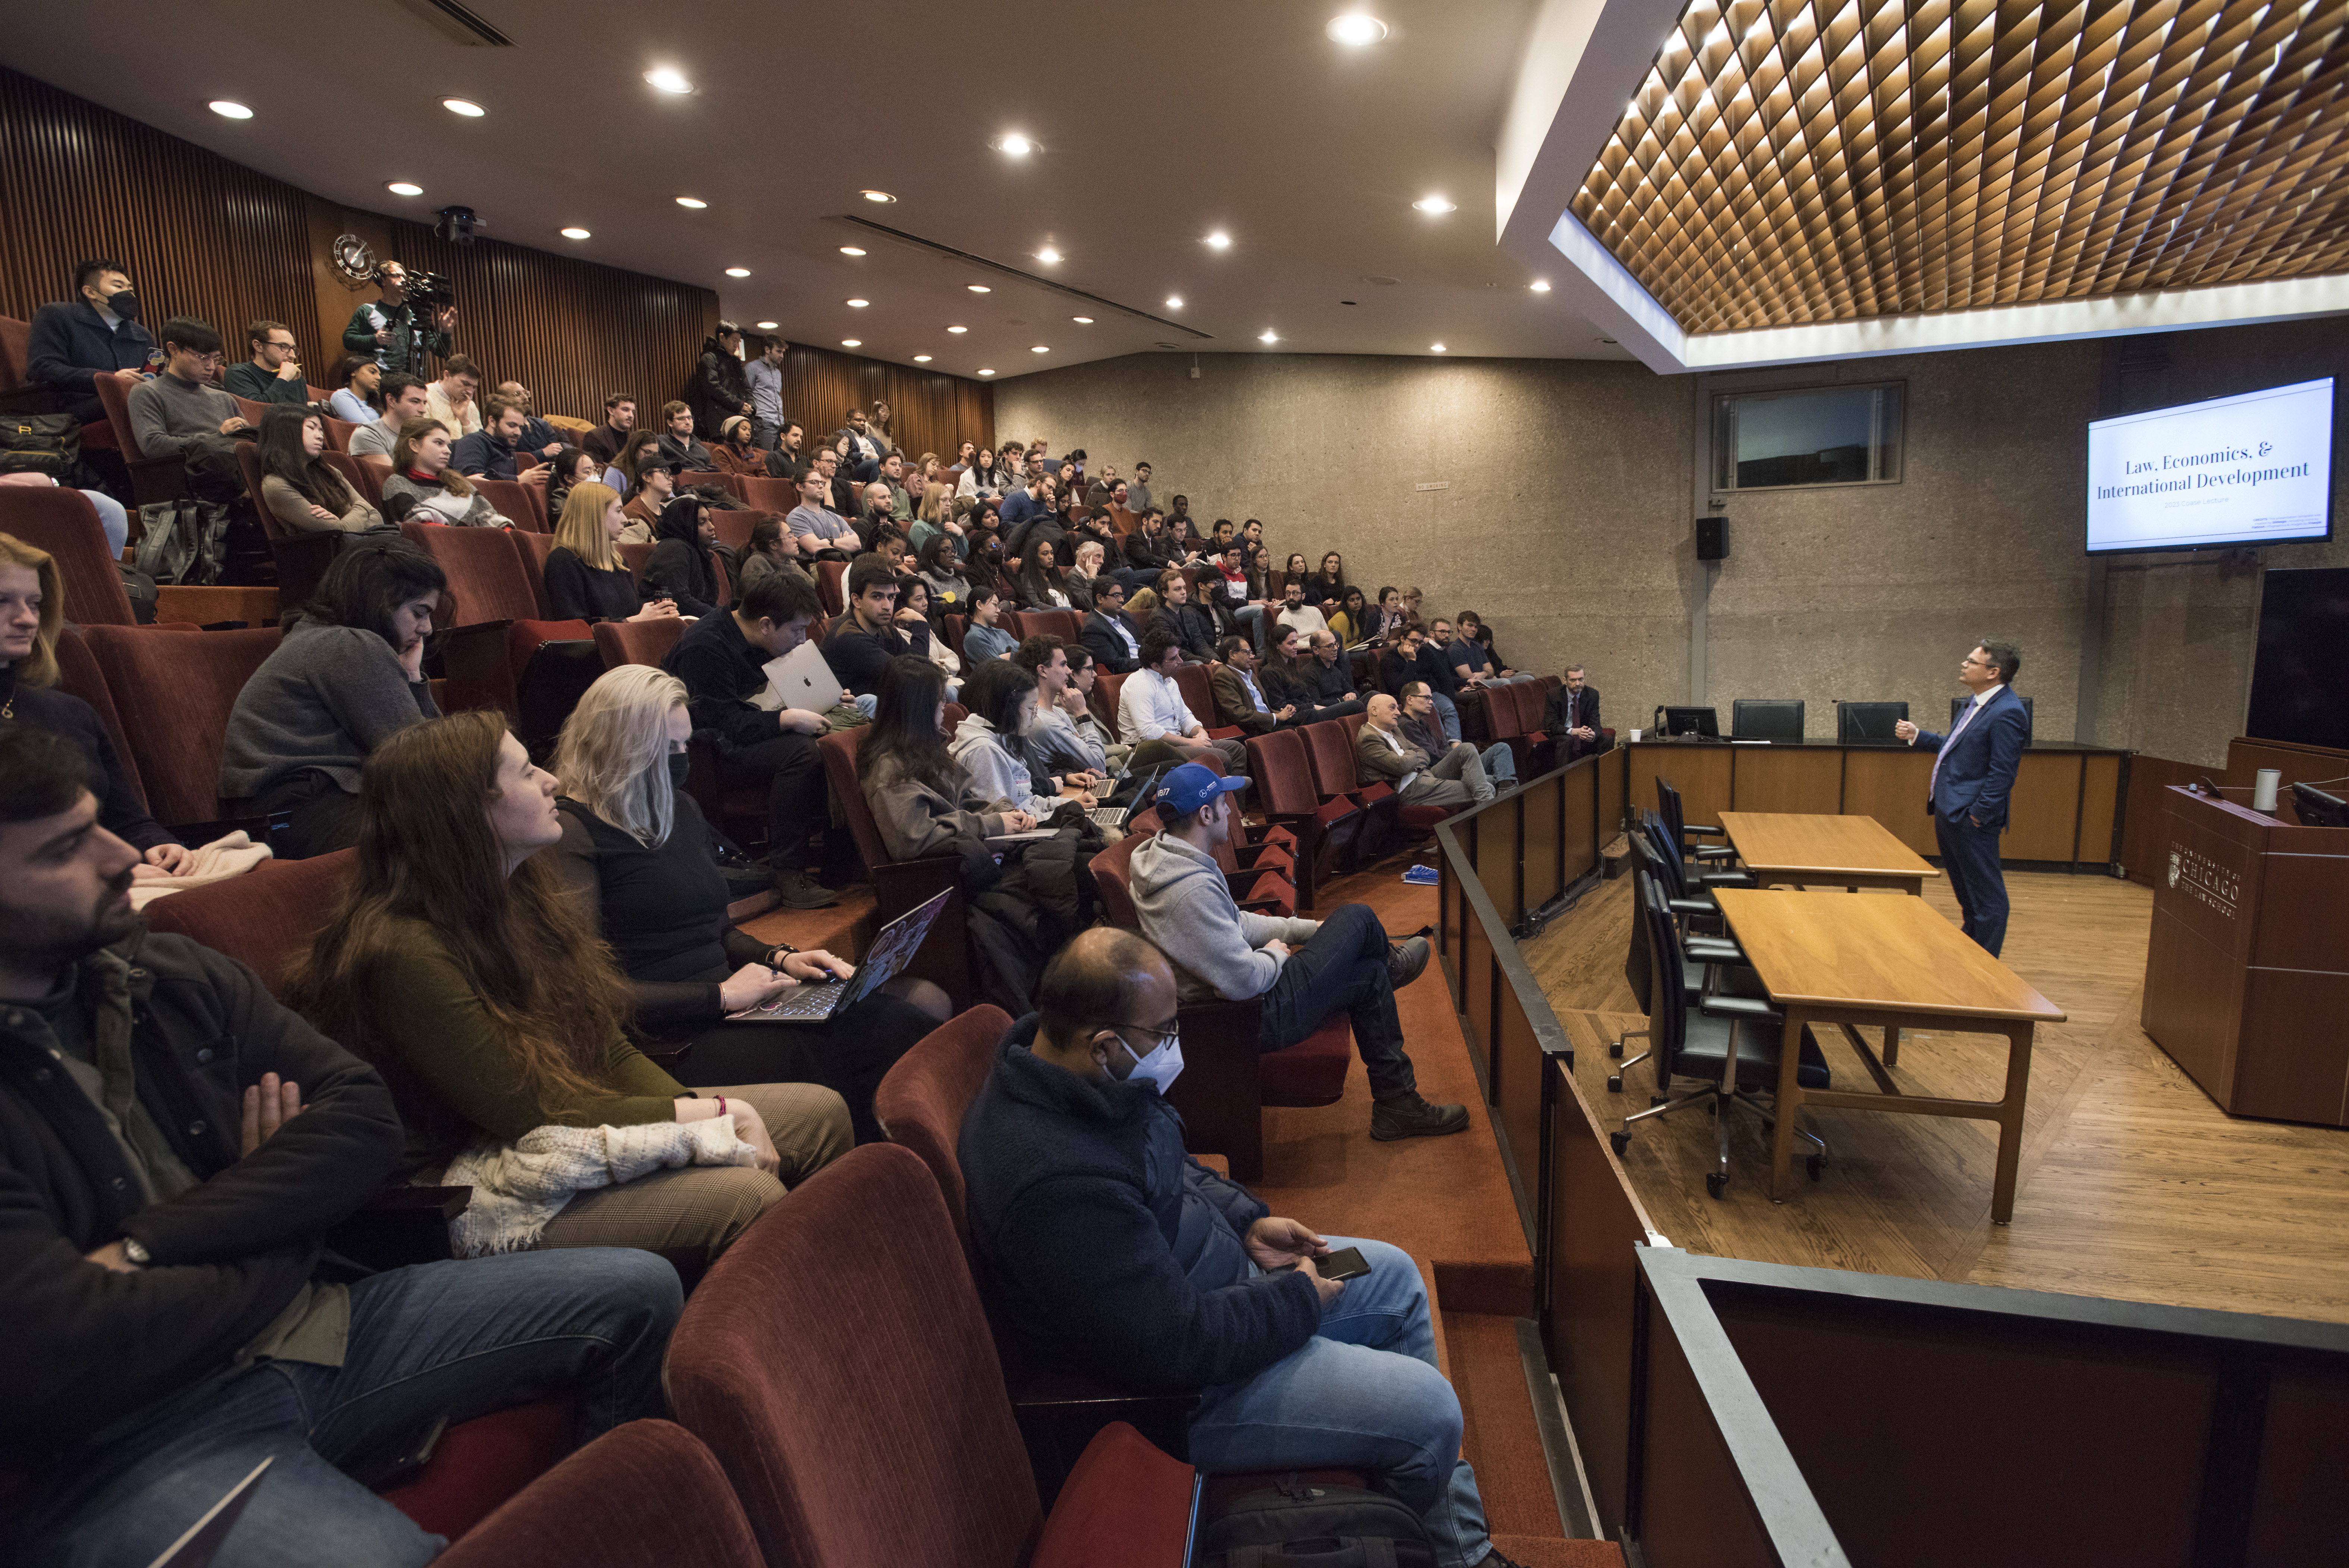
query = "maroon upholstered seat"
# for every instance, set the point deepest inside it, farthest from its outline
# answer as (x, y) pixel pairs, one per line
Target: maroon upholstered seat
(301, 556)
(645, 1492)
(80, 676)
(921, 1100)
(831, 582)
(264, 920)
(524, 505)
(492, 638)
(637, 641)
(857, 1406)
(533, 549)
(152, 479)
(66, 525)
(1326, 829)
(480, 1463)
(902, 885)
(776, 496)
(174, 691)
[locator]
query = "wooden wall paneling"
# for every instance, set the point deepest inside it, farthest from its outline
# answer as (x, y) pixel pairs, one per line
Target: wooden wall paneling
(1700, 772)
(2320, 767)
(1579, 834)
(2100, 802)
(1888, 785)
(1544, 802)
(1789, 778)
(2144, 830)
(930, 412)
(1614, 779)
(1499, 844)
(2044, 808)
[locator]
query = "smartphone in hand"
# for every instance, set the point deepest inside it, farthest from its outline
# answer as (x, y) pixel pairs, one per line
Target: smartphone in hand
(1345, 1263)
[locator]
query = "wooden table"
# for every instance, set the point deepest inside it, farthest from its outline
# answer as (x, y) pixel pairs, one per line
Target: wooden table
(1895, 964)
(1851, 852)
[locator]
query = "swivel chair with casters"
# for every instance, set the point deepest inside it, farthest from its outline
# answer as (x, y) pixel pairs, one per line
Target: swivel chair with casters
(1733, 1041)
(1766, 718)
(1725, 970)
(1668, 801)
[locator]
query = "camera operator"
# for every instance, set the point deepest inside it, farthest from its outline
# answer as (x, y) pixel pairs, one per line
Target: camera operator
(389, 330)
(273, 374)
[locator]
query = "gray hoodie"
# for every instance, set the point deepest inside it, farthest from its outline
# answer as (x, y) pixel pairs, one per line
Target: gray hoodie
(995, 773)
(1188, 914)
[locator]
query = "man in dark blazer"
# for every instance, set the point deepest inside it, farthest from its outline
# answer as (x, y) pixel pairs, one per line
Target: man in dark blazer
(72, 343)
(1971, 783)
(1110, 635)
(1571, 723)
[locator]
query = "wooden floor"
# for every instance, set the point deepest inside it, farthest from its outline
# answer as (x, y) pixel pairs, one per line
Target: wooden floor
(2133, 1183)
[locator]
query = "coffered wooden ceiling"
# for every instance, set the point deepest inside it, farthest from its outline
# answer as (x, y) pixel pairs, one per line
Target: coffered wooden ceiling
(1835, 161)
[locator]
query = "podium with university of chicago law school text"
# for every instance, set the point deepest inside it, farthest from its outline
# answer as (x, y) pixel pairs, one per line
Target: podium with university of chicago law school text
(2247, 973)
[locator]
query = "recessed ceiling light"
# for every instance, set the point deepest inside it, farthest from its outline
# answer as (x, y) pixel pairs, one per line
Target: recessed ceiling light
(464, 106)
(1268, 336)
(669, 79)
(1435, 347)
(957, 328)
(978, 289)
(768, 326)
(921, 358)
(1539, 286)
(405, 188)
(876, 195)
(738, 272)
(574, 234)
(1219, 240)
(851, 249)
(229, 108)
(1048, 254)
(986, 372)
(858, 304)
(1174, 302)
(1082, 320)
(1040, 348)
(1435, 206)
(695, 203)
(1356, 28)
(1017, 145)
(852, 343)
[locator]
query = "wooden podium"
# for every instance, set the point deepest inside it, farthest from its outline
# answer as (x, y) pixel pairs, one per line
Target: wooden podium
(2247, 974)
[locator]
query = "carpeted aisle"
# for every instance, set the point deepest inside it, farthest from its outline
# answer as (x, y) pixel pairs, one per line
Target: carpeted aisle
(1446, 1202)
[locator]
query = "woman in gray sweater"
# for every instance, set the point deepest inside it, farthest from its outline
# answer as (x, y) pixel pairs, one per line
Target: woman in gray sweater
(349, 673)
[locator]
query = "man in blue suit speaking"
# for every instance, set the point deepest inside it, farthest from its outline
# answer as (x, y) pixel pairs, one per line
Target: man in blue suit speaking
(1973, 776)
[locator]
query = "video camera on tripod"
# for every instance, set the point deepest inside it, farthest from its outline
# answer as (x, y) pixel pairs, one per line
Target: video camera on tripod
(429, 294)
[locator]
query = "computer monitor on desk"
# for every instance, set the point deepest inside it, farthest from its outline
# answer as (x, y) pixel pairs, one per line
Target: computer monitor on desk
(2318, 809)
(1869, 723)
(1700, 722)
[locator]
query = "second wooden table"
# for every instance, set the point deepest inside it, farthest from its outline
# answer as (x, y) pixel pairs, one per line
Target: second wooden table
(1807, 851)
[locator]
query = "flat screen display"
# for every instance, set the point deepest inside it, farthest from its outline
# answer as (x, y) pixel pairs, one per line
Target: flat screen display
(2256, 469)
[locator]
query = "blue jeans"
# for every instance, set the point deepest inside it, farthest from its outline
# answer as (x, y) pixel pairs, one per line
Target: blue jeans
(112, 518)
(454, 1339)
(1969, 856)
(1362, 1394)
(1500, 762)
(1447, 714)
(1342, 969)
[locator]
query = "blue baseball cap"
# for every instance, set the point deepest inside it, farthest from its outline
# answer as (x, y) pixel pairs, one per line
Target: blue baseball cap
(1194, 785)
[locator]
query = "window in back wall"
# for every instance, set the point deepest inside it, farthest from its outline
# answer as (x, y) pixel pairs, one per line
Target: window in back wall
(1843, 434)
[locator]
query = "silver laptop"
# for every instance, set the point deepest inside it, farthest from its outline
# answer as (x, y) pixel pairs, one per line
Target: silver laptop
(800, 679)
(203, 1539)
(891, 951)
(1115, 816)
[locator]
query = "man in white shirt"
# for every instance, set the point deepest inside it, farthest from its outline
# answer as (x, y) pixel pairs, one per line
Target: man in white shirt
(403, 399)
(765, 375)
(454, 398)
(1294, 611)
(1150, 707)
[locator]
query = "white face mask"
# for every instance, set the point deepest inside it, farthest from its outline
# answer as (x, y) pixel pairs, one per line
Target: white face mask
(1162, 1066)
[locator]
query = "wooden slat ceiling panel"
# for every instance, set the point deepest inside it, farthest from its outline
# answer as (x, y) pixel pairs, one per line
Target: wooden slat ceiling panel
(1818, 161)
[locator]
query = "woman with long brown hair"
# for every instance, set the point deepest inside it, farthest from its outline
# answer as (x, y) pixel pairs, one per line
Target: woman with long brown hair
(422, 475)
(457, 964)
(300, 488)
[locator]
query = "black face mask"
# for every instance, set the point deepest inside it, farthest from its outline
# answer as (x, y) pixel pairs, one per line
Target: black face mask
(124, 305)
(679, 764)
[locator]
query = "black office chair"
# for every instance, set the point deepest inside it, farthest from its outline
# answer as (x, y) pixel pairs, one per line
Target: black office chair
(1725, 970)
(1958, 706)
(1766, 718)
(1869, 723)
(1733, 1040)
(1668, 801)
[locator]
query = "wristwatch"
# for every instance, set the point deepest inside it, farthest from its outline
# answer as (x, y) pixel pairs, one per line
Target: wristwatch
(135, 1252)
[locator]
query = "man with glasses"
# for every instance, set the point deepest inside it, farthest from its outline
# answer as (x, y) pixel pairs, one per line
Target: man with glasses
(180, 413)
(1300, 971)
(390, 330)
(1109, 1252)
(273, 374)
(1973, 784)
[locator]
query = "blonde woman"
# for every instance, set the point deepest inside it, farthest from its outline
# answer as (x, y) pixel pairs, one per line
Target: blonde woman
(32, 613)
(937, 515)
(585, 578)
(640, 860)
(435, 493)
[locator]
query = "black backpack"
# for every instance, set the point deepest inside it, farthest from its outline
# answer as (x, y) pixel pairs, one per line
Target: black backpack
(1299, 1526)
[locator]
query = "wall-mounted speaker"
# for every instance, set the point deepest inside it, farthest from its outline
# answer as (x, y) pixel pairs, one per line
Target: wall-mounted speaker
(1711, 538)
